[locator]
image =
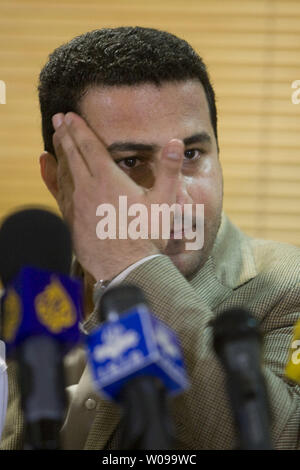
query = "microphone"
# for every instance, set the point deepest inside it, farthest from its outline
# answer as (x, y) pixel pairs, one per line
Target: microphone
(237, 342)
(136, 360)
(3, 386)
(40, 314)
(292, 369)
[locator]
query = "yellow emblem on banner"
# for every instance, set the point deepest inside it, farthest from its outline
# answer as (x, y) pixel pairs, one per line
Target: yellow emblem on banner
(12, 317)
(292, 370)
(54, 307)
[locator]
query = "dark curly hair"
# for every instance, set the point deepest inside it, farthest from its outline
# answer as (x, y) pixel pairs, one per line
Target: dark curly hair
(116, 56)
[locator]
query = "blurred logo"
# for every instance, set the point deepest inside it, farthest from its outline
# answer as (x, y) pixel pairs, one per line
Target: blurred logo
(116, 341)
(296, 93)
(12, 308)
(54, 307)
(2, 92)
(167, 345)
(292, 370)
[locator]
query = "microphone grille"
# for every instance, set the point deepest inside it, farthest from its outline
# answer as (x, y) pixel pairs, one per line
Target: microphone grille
(233, 324)
(119, 299)
(34, 237)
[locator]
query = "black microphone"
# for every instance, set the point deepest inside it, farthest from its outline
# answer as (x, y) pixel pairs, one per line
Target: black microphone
(40, 313)
(136, 361)
(237, 342)
(34, 237)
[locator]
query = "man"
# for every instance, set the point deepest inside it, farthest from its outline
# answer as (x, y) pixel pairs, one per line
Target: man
(131, 111)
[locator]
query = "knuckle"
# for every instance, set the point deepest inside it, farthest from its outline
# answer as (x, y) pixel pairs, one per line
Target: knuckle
(71, 151)
(56, 141)
(87, 146)
(77, 197)
(60, 132)
(172, 172)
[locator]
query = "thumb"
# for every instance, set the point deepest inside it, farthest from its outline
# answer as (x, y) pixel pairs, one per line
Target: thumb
(168, 171)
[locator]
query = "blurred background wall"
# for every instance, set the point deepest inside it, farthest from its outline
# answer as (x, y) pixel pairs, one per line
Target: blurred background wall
(252, 50)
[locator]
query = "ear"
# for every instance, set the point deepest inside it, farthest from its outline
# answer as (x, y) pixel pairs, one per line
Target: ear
(48, 165)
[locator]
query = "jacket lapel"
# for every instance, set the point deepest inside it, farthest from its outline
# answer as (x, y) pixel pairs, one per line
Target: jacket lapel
(233, 255)
(230, 265)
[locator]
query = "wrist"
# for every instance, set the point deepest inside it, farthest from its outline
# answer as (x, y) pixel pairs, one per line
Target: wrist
(107, 271)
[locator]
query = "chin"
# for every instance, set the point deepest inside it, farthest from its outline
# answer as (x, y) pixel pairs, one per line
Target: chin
(188, 262)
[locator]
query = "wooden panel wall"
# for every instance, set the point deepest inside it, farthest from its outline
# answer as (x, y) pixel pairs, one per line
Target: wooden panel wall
(252, 49)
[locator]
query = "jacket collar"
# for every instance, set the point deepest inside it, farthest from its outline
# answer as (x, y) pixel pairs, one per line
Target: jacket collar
(231, 263)
(233, 256)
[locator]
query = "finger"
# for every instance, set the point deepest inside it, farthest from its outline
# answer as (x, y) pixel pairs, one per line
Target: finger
(65, 148)
(168, 171)
(90, 145)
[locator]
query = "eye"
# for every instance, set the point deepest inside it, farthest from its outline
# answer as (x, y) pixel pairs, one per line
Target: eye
(129, 162)
(193, 154)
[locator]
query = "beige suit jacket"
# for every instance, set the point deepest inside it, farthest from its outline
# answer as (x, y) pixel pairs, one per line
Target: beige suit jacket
(260, 275)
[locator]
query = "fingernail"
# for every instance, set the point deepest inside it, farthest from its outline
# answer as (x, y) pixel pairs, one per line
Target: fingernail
(174, 155)
(68, 119)
(175, 149)
(57, 120)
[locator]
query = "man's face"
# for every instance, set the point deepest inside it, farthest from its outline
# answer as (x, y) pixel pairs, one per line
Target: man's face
(136, 122)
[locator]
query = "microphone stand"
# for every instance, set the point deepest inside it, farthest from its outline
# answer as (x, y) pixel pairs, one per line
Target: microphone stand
(41, 380)
(146, 424)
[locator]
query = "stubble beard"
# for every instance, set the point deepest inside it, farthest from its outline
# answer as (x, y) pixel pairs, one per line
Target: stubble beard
(188, 262)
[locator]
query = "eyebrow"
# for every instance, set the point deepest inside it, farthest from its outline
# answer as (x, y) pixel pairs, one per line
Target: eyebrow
(200, 137)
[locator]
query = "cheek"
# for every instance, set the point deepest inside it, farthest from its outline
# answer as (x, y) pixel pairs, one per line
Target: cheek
(207, 187)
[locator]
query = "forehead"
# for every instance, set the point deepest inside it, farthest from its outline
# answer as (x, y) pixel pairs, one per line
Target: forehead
(147, 112)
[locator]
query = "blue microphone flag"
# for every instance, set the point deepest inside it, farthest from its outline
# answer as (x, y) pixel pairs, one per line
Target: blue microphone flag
(134, 344)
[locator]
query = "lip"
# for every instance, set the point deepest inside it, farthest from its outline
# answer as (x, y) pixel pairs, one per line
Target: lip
(179, 234)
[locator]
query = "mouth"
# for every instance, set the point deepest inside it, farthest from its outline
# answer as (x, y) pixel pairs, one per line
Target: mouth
(176, 235)
(179, 235)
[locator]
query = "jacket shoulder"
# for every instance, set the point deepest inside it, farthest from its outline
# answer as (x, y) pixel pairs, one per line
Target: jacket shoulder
(277, 259)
